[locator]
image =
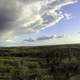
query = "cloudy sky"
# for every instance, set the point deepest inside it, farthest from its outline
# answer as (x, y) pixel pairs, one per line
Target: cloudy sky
(39, 22)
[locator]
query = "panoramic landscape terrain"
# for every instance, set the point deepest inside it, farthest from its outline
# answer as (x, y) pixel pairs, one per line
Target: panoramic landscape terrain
(46, 39)
(60, 62)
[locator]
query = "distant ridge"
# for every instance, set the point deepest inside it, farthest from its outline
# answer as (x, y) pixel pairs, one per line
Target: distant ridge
(58, 45)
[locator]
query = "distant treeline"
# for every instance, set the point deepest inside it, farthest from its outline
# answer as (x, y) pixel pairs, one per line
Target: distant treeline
(40, 51)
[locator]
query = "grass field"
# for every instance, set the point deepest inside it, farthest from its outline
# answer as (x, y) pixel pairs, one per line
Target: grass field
(40, 63)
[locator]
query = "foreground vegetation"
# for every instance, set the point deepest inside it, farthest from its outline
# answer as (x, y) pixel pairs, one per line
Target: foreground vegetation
(40, 63)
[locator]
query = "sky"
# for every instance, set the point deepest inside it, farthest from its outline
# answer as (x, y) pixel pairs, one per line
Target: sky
(39, 22)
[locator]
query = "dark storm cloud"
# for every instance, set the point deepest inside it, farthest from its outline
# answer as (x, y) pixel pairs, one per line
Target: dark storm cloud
(8, 14)
(5, 18)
